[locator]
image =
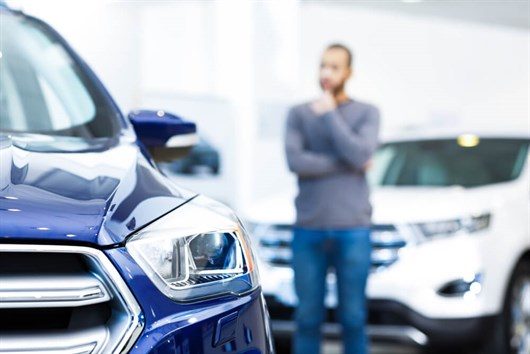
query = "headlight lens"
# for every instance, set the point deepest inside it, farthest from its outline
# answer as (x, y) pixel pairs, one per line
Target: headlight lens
(450, 227)
(200, 250)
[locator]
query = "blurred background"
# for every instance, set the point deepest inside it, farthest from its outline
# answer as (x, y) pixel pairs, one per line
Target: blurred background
(235, 67)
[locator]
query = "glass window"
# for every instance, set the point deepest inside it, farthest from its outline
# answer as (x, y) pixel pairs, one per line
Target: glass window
(43, 90)
(446, 163)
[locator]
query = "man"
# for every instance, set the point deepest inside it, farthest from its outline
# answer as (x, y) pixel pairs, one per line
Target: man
(329, 143)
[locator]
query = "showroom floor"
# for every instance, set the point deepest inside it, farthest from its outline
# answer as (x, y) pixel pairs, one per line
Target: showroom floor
(334, 348)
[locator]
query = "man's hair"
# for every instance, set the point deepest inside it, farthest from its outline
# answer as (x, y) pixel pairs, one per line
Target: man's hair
(344, 48)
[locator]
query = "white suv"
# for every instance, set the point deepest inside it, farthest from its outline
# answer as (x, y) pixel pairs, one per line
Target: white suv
(451, 245)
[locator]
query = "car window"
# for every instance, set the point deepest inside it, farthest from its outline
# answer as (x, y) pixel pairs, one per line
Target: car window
(43, 90)
(446, 163)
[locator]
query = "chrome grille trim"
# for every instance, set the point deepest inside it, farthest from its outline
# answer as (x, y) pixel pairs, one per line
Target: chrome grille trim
(116, 284)
(56, 342)
(59, 290)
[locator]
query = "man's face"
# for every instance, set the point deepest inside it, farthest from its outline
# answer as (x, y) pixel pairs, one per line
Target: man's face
(334, 70)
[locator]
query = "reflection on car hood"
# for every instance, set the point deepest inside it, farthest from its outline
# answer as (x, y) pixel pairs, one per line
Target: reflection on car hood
(85, 196)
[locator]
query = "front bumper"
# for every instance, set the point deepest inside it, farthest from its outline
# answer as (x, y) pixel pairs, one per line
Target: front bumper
(225, 325)
(392, 322)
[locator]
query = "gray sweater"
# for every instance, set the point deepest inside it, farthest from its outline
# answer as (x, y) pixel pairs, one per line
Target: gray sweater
(328, 154)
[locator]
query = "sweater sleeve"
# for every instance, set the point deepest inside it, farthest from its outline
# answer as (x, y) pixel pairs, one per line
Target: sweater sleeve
(354, 148)
(304, 163)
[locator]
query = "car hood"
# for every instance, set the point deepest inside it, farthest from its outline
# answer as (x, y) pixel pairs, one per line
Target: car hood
(401, 204)
(59, 190)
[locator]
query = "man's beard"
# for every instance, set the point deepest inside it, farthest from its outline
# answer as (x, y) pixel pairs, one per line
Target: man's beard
(337, 89)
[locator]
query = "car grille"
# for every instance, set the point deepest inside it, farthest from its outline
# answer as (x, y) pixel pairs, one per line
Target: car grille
(62, 299)
(275, 245)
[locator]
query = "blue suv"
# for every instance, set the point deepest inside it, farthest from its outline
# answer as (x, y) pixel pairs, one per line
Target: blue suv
(100, 252)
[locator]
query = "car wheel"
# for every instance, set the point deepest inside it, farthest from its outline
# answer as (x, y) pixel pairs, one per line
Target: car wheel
(519, 311)
(512, 333)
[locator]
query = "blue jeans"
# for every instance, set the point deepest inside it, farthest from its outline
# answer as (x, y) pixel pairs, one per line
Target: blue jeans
(349, 253)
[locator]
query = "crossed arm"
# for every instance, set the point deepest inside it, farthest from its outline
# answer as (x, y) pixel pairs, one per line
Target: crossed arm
(354, 149)
(305, 163)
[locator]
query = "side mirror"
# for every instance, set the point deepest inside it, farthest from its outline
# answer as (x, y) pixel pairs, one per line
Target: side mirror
(166, 136)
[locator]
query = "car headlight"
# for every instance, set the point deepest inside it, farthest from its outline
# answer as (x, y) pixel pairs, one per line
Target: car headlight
(200, 250)
(450, 227)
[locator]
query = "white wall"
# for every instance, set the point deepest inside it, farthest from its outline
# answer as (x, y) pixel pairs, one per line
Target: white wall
(420, 69)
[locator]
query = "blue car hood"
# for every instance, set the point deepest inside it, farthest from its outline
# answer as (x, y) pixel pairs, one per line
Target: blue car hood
(58, 190)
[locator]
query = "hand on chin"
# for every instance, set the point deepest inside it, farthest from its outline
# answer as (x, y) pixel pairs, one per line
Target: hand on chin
(324, 104)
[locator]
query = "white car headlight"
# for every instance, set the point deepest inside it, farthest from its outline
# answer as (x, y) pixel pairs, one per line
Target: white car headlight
(199, 250)
(451, 227)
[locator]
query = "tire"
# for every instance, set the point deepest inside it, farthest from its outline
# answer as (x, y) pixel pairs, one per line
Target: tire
(436, 350)
(282, 345)
(504, 340)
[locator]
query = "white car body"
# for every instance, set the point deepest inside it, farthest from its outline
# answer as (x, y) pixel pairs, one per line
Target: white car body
(424, 266)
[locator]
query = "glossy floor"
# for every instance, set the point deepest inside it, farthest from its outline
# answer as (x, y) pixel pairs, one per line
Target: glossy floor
(332, 347)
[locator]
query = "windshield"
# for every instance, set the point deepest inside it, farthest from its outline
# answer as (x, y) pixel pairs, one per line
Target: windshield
(446, 163)
(43, 90)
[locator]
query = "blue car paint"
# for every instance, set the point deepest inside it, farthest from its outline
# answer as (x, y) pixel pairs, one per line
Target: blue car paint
(154, 131)
(52, 196)
(55, 196)
(171, 326)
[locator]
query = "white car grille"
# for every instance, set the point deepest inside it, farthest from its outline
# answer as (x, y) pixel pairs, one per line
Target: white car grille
(275, 245)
